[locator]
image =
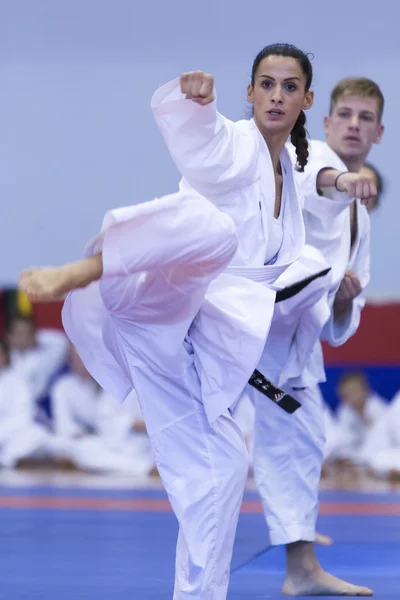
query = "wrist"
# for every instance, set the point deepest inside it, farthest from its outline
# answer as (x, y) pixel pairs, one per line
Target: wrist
(326, 177)
(341, 306)
(336, 181)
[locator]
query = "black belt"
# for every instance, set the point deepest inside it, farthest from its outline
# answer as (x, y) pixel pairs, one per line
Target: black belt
(296, 288)
(258, 380)
(281, 398)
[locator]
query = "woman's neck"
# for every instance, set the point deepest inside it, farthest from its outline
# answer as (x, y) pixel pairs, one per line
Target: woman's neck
(275, 143)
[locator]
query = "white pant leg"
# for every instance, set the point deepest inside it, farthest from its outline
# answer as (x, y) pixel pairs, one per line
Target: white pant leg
(288, 456)
(203, 470)
(244, 415)
(142, 320)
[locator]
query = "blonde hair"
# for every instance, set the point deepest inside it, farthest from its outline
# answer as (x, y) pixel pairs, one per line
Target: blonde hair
(358, 86)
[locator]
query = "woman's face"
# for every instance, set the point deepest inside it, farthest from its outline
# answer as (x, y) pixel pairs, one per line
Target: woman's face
(278, 94)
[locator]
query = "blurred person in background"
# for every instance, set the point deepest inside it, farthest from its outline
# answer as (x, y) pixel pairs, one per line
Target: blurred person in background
(95, 429)
(20, 436)
(37, 355)
(358, 411)
(381, 448)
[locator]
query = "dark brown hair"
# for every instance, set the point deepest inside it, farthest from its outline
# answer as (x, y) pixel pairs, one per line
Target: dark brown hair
(298, 133)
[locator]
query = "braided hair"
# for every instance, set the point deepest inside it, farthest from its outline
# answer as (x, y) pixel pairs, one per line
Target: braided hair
(298, 133)
(299, 141)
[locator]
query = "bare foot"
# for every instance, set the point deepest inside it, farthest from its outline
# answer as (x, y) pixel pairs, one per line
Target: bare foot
(54, 283)
(321, 583)
(305, 577)
(323, 540)
(46, 284)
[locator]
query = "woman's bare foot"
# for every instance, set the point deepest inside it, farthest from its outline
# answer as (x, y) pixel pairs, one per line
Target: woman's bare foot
(54, 283)
(323, 540)
(46, 284)
(305, 577)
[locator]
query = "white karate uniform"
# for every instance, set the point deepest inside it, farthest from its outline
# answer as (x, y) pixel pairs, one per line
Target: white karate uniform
(20, 436)
(352, 430)
(381, 448)
(80, 408)
(244, 414)
(287, 467)
(38, 365)
(129, 330)
(162, 265)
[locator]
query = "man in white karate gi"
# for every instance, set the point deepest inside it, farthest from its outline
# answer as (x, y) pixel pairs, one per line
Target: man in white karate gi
(340, 229)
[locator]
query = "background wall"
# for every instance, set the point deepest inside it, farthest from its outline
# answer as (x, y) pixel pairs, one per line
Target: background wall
(77, 134)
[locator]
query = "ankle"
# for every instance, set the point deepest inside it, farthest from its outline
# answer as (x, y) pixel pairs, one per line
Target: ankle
(83, 272)
(301, 559)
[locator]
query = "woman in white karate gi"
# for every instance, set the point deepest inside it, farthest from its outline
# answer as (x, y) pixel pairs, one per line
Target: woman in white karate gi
(285, 356)
(142, 287)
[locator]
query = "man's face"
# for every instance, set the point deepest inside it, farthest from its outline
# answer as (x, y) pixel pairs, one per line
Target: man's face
(353, 127)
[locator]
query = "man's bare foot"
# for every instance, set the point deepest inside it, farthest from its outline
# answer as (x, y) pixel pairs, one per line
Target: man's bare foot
(320, 583)
(305, 577)
(323, 540)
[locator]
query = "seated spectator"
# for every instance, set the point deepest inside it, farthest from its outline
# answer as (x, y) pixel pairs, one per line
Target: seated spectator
(95, 428)
(20, 436)
(36, 355)
(381, 450)
(359, 408)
